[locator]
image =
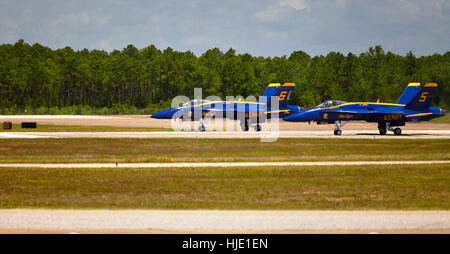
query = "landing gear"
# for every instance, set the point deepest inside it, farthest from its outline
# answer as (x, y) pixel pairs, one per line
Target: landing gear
(384, 127)
(244, 125)
(382, 131)
(247, 123)
(201, 127)
(337, 128)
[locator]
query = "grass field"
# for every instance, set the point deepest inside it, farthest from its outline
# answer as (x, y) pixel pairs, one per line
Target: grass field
(217, 150)
(407, 187)
(80, 128)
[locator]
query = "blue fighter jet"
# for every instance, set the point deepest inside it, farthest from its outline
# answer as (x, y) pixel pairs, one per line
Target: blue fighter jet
(413, 106)
(273, 103)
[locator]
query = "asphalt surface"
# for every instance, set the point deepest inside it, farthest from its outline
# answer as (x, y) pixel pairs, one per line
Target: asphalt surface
(216, 164)
(269, 136)
(215, 129)
(207, 220)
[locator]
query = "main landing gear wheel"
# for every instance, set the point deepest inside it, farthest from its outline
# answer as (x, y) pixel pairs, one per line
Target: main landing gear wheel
(338, 132)
(398, 131)
(245, 125)
(258, 127)
(382, 131)
(382, 128)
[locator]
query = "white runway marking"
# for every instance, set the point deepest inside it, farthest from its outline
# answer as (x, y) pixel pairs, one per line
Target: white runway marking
(350, 134)
(55, 117)
(19, 135)
(223, 220)
(217, 164)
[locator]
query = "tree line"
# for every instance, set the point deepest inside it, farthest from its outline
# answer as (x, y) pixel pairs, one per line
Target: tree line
(37, 79)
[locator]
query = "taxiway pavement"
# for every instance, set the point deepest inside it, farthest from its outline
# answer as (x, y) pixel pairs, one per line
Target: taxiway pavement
(217, 164)
(208, 220)
(350, 134)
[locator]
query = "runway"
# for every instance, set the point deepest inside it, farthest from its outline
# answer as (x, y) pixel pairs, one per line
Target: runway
(27, 220)
(215, 129)
(216, 164)
(350, 134)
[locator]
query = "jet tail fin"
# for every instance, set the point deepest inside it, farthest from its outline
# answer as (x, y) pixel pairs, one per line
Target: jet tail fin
(283, 92)
(411, 90)
(422, 99)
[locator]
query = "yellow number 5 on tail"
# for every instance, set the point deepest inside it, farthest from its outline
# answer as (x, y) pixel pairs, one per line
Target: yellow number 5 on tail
(423, 97)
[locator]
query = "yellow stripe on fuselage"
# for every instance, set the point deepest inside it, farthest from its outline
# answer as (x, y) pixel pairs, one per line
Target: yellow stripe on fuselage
(276, 111)
(421, 114)
(364, 103)
(376, 103)
(211, 102)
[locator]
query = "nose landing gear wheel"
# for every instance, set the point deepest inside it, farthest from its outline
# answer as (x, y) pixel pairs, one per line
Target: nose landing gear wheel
(337, 128)
(201, 127)
(398, 131)
(338, 132)
(382, 131)
(258, 127)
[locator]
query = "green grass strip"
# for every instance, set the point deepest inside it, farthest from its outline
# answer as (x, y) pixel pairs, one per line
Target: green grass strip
(74, 150)
(405, 187)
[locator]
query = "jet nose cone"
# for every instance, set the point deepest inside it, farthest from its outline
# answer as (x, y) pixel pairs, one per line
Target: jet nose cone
(165, 114)
(303, 116)
(293, 118)
(157, 115)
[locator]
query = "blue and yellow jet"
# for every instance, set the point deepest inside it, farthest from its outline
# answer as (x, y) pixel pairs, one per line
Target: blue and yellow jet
(412, 106)
(248, 113)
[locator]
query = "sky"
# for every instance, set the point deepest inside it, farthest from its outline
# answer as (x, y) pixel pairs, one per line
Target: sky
(259, 27)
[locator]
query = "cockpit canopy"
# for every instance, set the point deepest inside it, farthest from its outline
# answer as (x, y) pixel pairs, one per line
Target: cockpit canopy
(330, 103)
(195, 102)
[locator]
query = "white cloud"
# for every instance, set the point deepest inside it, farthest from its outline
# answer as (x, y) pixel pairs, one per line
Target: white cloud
(258, 27)
(104, 44)
(280, 9)
(296, 4)
(275, 35)
(71, 19)
(196, 40)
